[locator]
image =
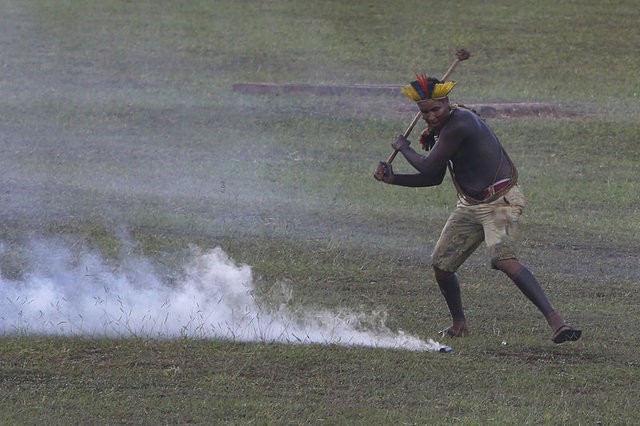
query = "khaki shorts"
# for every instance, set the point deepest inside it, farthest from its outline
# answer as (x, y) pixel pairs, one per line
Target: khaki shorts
(495, 223)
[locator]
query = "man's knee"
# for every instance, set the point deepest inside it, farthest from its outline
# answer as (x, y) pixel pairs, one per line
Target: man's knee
(441, 274)
(511, 267)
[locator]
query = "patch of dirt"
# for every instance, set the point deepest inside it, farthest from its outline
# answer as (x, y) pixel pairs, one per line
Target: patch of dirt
(487, 110)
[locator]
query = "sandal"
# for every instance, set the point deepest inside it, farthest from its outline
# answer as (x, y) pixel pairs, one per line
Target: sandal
(566, 334)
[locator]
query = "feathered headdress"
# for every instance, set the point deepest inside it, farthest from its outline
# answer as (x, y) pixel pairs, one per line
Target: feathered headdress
(427, 88)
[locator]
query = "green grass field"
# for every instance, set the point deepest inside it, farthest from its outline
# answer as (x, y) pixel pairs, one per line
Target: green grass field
(124, 151)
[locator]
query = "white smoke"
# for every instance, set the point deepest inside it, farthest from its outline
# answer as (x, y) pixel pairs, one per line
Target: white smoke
(81, 294)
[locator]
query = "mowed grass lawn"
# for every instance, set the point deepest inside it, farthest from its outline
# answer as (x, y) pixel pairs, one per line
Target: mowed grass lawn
(121, 134)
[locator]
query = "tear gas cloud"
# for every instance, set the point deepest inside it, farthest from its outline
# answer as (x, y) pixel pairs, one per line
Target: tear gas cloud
(81, 294)
(79, 143)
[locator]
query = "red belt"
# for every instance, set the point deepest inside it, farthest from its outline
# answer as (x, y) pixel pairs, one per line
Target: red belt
(496, 187)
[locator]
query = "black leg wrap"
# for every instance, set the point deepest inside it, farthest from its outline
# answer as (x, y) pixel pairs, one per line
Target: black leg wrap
(450, 289)
(530, 287)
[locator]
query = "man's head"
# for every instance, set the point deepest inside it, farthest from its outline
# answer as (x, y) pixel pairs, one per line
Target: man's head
(431, 95)
(435, 112)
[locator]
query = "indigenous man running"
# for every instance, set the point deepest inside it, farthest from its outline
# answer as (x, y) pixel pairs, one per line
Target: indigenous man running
(490, 199)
